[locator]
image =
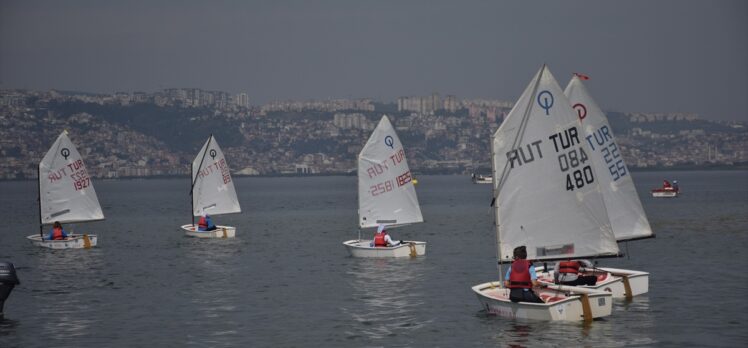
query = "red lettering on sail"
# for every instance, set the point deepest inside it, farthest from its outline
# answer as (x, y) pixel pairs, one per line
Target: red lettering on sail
(404, 179)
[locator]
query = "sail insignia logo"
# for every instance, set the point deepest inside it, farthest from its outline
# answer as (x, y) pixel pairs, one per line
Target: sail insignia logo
(389, 141)
(545, 100)
(581, 110)
(65, 152)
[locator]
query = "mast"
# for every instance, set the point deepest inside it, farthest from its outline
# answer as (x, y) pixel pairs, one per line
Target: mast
(39, 200)
(494, 206)
(194, 180)
(192, 201)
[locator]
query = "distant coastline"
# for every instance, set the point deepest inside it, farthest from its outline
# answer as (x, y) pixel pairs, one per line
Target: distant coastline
(681, 168)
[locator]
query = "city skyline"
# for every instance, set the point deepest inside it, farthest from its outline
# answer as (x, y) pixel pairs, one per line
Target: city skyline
(669, 56)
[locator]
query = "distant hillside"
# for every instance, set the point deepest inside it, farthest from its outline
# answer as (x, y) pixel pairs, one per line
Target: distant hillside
(187, 127)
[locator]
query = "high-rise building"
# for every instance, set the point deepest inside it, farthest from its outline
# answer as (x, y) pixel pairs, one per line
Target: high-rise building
(242, 100)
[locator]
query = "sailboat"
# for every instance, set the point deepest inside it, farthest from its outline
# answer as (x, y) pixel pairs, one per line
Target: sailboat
(212, 191)
(386, 195)
(625, 211)
(546, 198)
(667, 190)
(66, 194)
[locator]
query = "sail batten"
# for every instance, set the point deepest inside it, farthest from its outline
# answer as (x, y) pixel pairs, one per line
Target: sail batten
(547, 197)
(213, 189)
(627, 217)
(385, 188)
(66, 192)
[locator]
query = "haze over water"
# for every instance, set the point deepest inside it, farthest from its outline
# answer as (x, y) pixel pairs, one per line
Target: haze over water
(288, 281)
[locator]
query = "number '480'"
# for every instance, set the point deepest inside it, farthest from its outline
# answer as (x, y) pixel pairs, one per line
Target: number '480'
(578, 178)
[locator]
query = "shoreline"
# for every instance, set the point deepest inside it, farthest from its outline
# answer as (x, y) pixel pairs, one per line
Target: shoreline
(428, 172)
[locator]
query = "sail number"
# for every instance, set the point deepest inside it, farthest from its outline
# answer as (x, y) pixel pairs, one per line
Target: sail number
(380, 188)
(81, 180)
(613, 159)
(388, 185)
(569, 162)
(579, 178)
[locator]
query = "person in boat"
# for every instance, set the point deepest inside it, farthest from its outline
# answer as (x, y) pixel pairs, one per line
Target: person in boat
(666, 184)
(205, 223)
(572, 272)
(382, 239)
(675, 185)
(521, 278)
(57, 232)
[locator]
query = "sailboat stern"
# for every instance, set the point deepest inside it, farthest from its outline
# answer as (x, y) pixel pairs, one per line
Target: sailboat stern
(561, 303)
(638, 281)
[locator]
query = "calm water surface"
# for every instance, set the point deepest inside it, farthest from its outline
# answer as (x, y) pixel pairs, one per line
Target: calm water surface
(288, 281)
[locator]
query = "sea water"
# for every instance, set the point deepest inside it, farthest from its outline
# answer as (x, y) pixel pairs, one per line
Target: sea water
(287, 280)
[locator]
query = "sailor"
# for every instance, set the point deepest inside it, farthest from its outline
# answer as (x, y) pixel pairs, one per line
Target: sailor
(382, 239)
(521, 278)
(571, 272)
(205, 223)
(57, 233)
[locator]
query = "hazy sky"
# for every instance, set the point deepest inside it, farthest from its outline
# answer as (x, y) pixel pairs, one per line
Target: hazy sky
(651, 56)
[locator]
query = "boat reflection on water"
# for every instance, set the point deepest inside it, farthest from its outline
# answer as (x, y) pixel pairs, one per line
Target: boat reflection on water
(614, 331)
(386, 297)
(61, 291)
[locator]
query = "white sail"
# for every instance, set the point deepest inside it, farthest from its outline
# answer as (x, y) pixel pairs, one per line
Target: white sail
(546, 191)
(66, 192)
(386, 194)
(625, 210)
(212, 187)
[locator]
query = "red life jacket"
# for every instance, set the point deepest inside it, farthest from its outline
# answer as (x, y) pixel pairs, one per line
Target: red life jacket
(520, 278)
(568, 267)
(202, 223)
(57, 234)
(379, 240)
(666, 184)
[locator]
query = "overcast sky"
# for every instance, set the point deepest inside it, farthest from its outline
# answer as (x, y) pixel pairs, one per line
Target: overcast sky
(649, 56)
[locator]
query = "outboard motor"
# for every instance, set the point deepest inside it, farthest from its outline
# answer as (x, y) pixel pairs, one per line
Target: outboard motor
(8, 280)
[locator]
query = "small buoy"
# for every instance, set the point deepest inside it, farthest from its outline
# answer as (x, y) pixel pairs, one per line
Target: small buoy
(415, 181)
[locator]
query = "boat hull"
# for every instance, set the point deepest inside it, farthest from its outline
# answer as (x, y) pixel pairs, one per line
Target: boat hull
(664, 194)
(610, 280)
(563, 303)
(219, 232)
(638, 280)
(362, 248)
(74, 241)
(605, 282)
(482, 179)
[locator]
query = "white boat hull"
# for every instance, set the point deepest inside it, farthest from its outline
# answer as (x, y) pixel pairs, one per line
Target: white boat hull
(219, 232)
(638, 280)
(664, 194)
(610, 280)
(562, 303)
(363, 248)
(74, 241)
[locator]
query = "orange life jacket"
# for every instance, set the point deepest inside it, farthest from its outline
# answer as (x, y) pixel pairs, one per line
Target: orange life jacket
(568, 267)
(379, 240)
(57, 234)
(520, 276)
